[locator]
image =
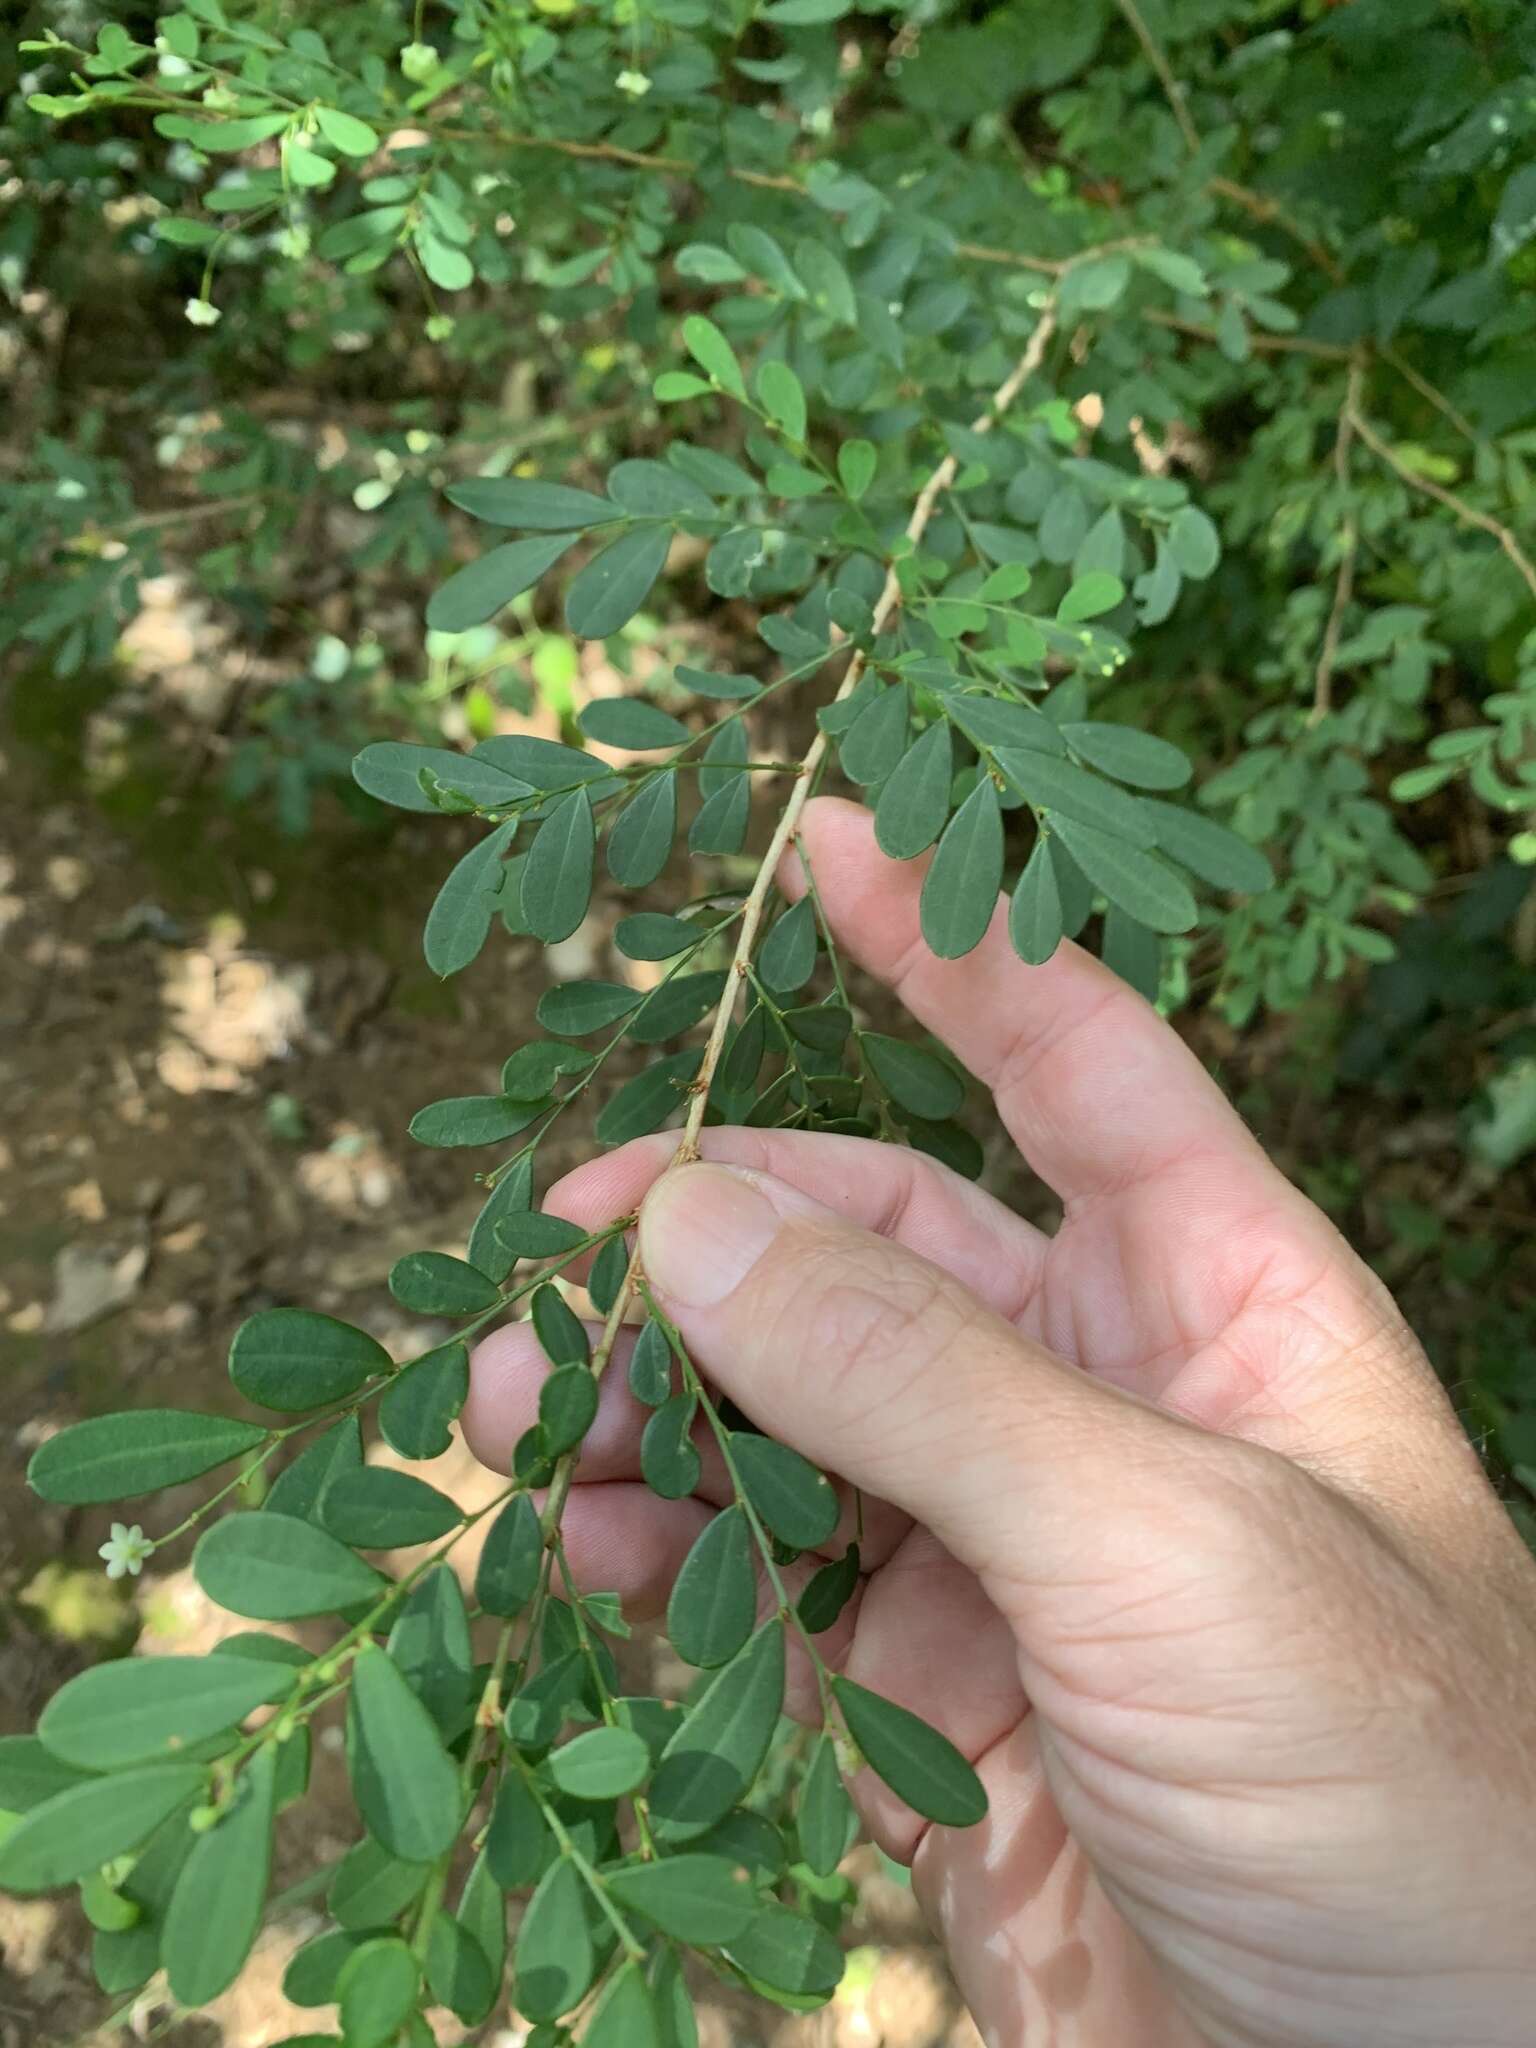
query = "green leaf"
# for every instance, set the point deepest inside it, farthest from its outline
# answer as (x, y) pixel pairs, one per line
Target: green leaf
(1209, 850)
(711, 265)
(650, 1366)
(632, 723)
(536, 1234)
(654, 490)
(612, 587)
(761, 254)
(77, 1831)
(823, 1026)
(371, 1887)
(1090, 596)
(1132, 952)
(918, 1080)
(576, 1008)
(960, 888)
(669, 1461)
(521, 501)
(483, 1916)
(1179, 272)
(652, 935)
(561, 1332)
(698, 1899)
(311, 1977)
(829, 1591)
(787, 958)
(919, 1764)
(914, 803)
(713, 354)
(380, 1509)
(120, 1457)
(554, 1962)
(640, 842)
(714, 1597)
(676, 1005)
(1067, 791)
(1139, 883)
(567, 1408)
(473, 1120)
(783, 397)
(1128, 755)
(481, 589)
(805, 13)
(877, 739)
(215, 1910)
(824, 1817)
(458, 1971)
(31, 1773)
(557, 877)
(294, 1359)
(392, 772)
(825, 278)
(436, 1284)
(625, 2015)
(857, 462)
(377, 1991)
(721, 823)
(1034, 919)
(712, 1761)
(459, 921)
(644, 1104)
(139, 1710)
(406, 1787)
(297, 1490)
(727, 687)
(541, 764)
(508, 1571)
(1194, 543)
(430, 1644)
(273, 1567)
(605, 1763)
(789, 1952)
(518, 1842)
(353, 138)
(798, 1503)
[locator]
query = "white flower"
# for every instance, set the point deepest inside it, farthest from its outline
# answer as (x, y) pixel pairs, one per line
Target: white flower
(125, 1551)
(635, 83)
(202, 314)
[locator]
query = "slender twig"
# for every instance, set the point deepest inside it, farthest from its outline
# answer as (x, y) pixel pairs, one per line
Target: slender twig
(1430, 393)
(1165, 73)
(784, 831)
(757, 898)
(1467, 514)
(1349, 549)
(1262, 207)
(1261, 344)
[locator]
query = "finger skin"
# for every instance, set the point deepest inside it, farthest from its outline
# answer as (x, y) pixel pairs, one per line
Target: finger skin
(884, 1188)
(1095, 1089)
(880, 1366)
(507, 1371)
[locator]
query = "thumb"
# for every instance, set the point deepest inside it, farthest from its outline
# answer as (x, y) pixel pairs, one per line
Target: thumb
(885, 1369)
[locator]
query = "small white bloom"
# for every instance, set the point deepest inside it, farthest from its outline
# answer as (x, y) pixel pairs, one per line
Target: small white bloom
(125, 1551)
(202, 314)
(635, 83)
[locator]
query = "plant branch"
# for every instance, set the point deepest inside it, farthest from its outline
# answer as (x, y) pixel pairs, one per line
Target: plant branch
(1349, 549)
(1165, 73)
(1467, 514)
(757, 898)
(1261, 207)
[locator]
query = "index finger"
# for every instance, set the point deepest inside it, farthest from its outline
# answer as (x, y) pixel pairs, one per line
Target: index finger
(1096, 1090)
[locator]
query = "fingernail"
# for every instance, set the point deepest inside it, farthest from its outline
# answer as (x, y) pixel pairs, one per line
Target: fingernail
(702, 1230)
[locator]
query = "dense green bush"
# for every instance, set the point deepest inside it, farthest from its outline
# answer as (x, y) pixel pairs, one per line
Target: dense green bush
(1121, 383)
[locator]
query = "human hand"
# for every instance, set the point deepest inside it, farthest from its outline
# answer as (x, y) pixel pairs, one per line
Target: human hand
(1168, 1525)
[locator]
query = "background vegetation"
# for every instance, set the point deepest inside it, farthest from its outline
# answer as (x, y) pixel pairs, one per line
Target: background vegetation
(277, 282)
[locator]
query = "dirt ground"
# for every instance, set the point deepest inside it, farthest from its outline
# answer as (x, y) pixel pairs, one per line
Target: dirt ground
(208, 1063)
